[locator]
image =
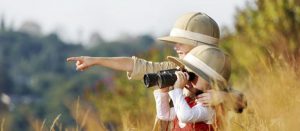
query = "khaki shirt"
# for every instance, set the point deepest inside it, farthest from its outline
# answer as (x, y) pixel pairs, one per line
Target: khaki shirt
(142, 67)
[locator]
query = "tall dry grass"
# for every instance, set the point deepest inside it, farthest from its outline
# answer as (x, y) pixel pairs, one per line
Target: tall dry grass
(2, 124)
(273, 99)
(273, 104)
(272, 92)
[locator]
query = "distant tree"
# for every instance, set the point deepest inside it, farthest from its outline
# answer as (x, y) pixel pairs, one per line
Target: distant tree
(34, 72)
(264, 30)
(6, 84)
(273, 25)
(94, 40)
(2, 24)
(31, 28)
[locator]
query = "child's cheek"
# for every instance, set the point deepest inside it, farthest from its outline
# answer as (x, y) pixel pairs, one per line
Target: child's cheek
(199, 85)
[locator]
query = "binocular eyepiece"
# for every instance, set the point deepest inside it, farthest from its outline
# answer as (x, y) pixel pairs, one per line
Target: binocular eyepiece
(164, 78)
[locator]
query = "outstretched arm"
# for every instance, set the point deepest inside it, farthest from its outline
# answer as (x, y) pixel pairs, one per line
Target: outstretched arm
(117, 63)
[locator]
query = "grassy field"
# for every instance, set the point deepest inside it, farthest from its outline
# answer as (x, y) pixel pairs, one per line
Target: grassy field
(272, 95)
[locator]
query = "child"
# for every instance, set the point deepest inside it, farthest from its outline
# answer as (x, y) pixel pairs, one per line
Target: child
(190, 30)
(212, 69)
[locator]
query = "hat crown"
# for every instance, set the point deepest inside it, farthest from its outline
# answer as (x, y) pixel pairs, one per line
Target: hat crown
(198, 22)
(194, 29)
(213, 57)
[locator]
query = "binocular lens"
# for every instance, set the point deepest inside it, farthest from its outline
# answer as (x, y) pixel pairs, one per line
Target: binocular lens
(150, 79)
(164, 78)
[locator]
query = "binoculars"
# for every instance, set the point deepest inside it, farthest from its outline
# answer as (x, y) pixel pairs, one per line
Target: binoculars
(164, 78)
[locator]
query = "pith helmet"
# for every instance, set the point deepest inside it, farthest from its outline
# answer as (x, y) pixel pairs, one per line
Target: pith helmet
(209, 62)
(194, 28)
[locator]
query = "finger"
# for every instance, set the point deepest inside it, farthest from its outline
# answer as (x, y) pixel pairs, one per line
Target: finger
(78, 63)
(84, 67)
(200, 95)
(81, 67)
(187, 76)
(203, 99)
(205, 104)
(182, 75)
(74, 58)
(178, 75)
(203, 95)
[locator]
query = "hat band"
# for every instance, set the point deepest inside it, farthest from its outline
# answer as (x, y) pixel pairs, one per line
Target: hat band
(203, 67)
(176, 32)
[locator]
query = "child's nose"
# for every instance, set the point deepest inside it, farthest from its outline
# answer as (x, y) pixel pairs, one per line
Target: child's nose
(177, 46)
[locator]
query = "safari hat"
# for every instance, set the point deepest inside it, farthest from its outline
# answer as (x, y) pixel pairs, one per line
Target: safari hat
(194, 28)
(209, 62)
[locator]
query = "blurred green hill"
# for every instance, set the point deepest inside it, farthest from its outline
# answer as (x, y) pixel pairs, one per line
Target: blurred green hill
(39, 81)
(264, 48)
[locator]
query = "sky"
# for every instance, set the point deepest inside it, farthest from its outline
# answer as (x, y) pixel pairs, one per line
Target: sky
(75, 20)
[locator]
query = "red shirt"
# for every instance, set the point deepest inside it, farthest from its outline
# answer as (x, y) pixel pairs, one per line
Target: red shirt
(198, 126)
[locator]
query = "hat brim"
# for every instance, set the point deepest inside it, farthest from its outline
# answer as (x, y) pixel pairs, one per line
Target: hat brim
(174, 40)
(176, 60)
(185, 65)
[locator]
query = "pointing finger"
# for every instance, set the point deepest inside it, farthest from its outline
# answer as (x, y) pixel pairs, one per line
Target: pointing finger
(74, 59)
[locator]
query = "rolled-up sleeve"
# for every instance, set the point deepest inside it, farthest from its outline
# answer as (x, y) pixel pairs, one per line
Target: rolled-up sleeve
(163, 110)
(141, 67)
